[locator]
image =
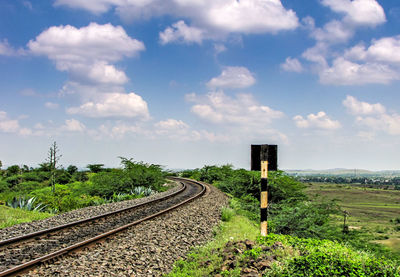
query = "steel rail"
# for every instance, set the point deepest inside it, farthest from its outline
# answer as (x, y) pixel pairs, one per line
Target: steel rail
(63, 226)
(64, 251)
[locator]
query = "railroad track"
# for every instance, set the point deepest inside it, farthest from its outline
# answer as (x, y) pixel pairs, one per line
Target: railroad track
(21, 253)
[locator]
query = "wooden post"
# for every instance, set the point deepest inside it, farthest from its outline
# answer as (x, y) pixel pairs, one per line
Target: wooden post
(264, 158)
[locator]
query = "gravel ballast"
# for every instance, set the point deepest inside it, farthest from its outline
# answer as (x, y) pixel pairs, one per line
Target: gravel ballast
(149, 249)
(75, 215)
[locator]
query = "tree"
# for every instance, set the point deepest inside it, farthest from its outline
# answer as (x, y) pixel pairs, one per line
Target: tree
(95, 168)
(72, 169)
(52, 160)
(1, 164)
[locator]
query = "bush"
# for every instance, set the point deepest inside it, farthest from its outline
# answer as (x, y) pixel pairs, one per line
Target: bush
(303, 219)
(227, 214)
(326, 258)
(4, 186)
(26, 187)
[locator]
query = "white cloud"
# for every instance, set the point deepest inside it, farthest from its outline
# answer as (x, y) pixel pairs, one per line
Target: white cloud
(219, 108)
(360, 12)
(362, 108)
(385, 50)
(344, 69)
(319, 121)
(113, 105)
(7, 50)
(344, 72)
(214, 16)
(73, 125)
(51, 105)
(171, 124)
(8, 125)
(180, 32)
(233, 77)
(373, 116)
(86, 52)
(292, 65)
(388, 123)
(333, 32)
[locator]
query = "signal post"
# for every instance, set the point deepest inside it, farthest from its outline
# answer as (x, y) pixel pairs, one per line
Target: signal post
(264, 158)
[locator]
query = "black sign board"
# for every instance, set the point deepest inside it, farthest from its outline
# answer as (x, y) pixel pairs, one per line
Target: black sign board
(264, 152)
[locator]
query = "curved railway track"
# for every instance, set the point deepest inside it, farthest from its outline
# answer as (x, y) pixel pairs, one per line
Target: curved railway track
(21, 253)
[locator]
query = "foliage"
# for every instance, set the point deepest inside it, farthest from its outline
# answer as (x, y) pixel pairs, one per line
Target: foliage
(303, 219)
(227, 214)
(142, 191)
(95, 168)
(290, 256)
(26, 204)
(3, 186)
(326, 258)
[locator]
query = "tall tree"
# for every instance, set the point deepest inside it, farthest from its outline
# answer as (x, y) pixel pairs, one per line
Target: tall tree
(52, 159)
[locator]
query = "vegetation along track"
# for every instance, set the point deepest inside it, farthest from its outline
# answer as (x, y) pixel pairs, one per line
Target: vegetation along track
(20, 253)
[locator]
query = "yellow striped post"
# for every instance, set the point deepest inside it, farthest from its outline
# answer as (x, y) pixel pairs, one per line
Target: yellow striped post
(264, 198)
(264, 157)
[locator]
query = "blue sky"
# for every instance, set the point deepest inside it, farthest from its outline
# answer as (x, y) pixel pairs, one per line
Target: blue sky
(184, 83)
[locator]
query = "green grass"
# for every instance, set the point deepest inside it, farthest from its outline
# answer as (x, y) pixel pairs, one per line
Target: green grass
(296, 257)
(10, 216)
(370, 210)
(202, 261)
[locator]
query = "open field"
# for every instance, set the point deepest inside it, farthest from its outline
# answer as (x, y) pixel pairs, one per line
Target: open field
(372, 210)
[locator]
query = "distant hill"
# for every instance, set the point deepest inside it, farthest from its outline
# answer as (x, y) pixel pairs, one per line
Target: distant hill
(344, 172)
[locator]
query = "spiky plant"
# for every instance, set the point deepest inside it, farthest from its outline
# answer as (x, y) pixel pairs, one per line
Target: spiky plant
(26, 204)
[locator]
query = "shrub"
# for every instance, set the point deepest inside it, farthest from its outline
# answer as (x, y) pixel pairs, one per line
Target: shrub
(227, 214)
(4, 186)
(26, 187)
(326, 258)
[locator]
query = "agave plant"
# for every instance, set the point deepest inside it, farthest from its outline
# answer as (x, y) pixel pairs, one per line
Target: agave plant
(142, 191)
(26, 204)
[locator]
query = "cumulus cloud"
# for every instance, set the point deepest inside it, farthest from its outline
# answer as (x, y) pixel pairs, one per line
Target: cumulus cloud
(219, 108)
(334, 68)
(8, 125)
(233, 77)
(180, 32)
(362, 108)
(87, 53)
(373, 116)
(316, 121)
(213, 16)
(292, 65)
(111, 105)
(333, 32)
(360, 12)
(73, 125)
(377, 64)
(388, 123)
(344, 72)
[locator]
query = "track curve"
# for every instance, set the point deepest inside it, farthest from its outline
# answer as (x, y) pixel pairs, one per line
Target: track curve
(23, 252)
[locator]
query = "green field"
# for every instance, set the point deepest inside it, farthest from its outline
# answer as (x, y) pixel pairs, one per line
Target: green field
(372, 210)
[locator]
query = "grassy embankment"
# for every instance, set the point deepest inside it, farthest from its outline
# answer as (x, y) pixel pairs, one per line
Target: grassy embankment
(373, 211)
(10, 216)
(276, 255)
